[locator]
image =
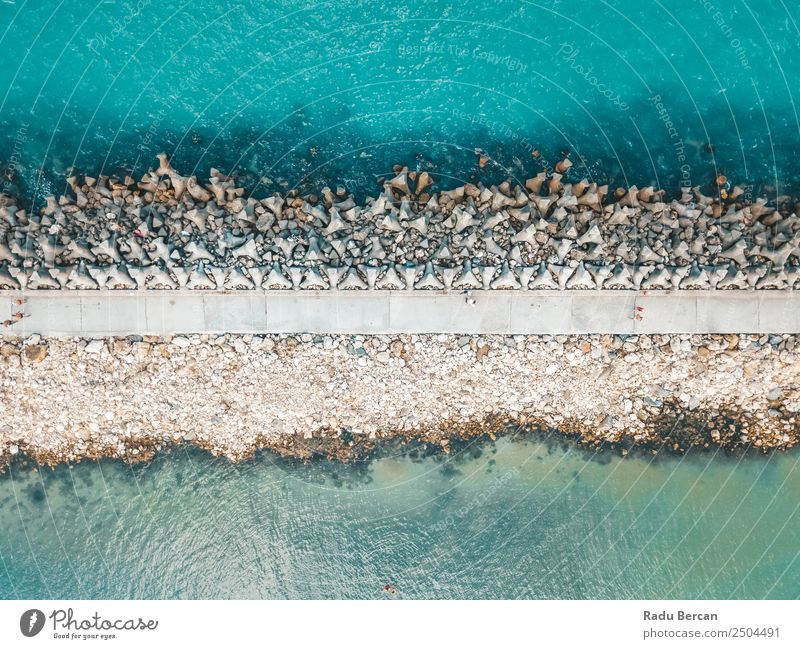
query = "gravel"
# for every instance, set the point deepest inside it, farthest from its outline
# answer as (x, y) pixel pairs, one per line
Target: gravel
(233, 394)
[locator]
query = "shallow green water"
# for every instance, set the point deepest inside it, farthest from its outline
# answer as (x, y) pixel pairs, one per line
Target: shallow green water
(513, 519)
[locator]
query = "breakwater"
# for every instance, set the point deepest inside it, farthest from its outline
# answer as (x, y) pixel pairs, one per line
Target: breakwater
(665, 388)
(169, 231)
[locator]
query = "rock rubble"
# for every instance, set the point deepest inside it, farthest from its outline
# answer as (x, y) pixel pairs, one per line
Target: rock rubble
(339, 396)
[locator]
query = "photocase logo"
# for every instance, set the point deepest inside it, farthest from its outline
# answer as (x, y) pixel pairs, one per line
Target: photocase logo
(31, 622)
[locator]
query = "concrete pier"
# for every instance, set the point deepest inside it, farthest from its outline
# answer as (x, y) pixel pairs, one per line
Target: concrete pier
(154, 312)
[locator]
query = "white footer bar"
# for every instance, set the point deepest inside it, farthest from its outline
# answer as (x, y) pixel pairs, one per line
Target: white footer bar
(401, 624)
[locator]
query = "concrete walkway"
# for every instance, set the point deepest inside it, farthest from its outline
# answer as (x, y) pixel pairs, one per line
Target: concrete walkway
(111, 313)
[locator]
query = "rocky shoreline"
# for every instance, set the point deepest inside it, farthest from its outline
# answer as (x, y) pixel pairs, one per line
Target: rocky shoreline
(557, 231)
(341, 396)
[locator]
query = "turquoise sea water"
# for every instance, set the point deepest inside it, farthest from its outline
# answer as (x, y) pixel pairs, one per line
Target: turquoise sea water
(252, 87)
(297, 94)
(512, 519)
